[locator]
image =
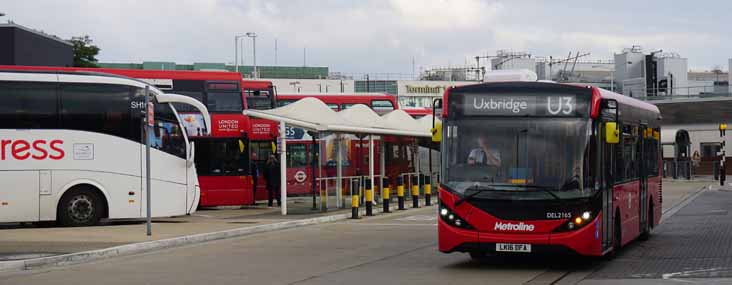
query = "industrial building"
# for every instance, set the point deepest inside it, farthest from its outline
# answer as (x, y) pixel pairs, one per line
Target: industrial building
(20, 45)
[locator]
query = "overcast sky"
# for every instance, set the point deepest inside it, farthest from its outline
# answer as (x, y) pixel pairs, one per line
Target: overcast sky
(360, 36)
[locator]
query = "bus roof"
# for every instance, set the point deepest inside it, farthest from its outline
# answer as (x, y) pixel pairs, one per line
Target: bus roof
(256, 84)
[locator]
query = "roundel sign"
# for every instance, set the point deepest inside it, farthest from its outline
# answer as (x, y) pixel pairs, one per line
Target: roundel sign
(300, 176)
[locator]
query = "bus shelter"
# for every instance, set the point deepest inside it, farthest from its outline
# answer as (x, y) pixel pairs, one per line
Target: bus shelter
(314, 115)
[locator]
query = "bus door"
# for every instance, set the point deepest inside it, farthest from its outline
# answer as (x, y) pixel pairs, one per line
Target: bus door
(606, 167)
(643, 173)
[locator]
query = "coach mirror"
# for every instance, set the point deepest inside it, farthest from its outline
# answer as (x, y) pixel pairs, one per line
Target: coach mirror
(191, 154)
(610, 109)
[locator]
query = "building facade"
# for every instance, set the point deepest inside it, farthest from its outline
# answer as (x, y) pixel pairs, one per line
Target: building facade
(20, 45)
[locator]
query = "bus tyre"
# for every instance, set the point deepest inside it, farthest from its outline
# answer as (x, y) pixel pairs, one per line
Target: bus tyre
(646, 234)
(80, 207)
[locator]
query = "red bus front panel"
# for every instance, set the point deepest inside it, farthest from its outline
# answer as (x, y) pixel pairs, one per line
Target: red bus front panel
(489, 230)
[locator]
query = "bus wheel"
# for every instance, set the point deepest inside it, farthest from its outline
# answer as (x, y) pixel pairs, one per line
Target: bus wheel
(646, 234)
(80, 207)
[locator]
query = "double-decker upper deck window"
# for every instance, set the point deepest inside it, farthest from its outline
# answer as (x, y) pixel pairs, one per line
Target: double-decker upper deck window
(259, 99)
(224, 102)
(28, 105)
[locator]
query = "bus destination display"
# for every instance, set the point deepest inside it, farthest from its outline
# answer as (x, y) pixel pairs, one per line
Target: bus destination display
(538, 105)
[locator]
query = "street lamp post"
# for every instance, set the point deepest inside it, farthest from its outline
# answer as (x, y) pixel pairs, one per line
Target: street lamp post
(236, 51)
(254, 51)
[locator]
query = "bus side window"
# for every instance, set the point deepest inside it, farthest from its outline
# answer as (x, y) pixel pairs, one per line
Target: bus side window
(382, 105)
(28, 105)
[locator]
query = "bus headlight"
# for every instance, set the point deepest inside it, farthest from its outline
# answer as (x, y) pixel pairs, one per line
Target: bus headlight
(453, 219)
(586, 215)
(576, 222)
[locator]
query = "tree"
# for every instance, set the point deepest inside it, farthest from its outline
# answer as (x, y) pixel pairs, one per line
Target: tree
(84, 52)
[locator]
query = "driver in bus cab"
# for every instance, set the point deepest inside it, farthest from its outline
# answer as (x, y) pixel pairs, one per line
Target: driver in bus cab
(484, 155)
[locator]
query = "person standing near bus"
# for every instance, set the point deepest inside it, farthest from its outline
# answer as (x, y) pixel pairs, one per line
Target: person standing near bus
(254, 170)
(272, 177)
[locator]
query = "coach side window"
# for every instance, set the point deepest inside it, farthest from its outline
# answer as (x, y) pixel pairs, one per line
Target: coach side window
(101, 108)
(28, 105)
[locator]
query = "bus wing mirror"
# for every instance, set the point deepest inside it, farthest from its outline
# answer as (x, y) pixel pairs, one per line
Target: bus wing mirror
(612, 134)
(437, 132)
(191, 154)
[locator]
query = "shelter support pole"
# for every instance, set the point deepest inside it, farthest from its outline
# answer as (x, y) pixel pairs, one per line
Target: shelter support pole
(383, 182)
(340, 201)
(370, 182)
(313, 163)
(428, 190)
(283, 169)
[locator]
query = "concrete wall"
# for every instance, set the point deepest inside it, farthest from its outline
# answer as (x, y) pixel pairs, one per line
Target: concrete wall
(22, 46)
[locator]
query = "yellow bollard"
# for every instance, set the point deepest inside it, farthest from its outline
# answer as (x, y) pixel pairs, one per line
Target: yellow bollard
(369, 198)
(400, 192)
(415, 192)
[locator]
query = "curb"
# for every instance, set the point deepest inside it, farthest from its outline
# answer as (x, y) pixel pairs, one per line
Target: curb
(144, 247)
(673, 210)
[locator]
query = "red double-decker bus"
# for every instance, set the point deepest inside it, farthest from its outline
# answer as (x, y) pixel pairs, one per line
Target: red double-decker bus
(530, 167)
(222, 163)
(261, 95)
(300, 147)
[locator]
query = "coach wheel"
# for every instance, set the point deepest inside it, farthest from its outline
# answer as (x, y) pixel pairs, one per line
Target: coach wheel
(80, 207)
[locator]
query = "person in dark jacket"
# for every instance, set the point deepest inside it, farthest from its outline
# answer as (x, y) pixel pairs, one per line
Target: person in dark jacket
(254, 170)
(272, 177)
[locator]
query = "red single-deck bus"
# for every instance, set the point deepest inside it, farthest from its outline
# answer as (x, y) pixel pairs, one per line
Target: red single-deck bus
(530, 167)
(300, 145)
(221, 159)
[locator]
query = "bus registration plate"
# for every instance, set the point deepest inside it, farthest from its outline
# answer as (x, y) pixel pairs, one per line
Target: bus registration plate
(513, 247)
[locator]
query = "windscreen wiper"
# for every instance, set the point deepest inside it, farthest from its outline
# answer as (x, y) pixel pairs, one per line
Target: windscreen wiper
(475, 188)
